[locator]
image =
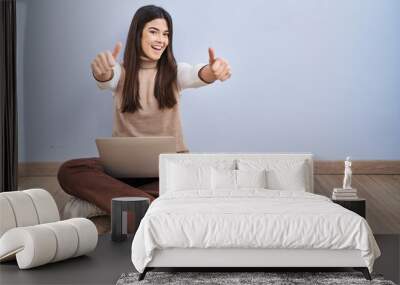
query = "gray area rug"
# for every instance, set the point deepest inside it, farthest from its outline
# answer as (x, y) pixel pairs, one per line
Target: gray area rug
(231, 278)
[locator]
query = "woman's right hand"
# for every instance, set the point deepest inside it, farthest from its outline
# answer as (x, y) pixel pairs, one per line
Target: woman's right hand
(102, 65)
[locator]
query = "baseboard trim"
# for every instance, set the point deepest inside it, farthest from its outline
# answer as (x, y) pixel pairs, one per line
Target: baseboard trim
(42, 168)
(321, 167)
(360, 167)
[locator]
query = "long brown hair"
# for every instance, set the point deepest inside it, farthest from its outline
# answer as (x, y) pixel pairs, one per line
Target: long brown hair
(166, 78)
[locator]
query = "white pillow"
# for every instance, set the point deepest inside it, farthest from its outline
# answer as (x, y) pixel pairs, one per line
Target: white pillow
(223, 179)
(188, 174)
(282, 174)
(188, 177)
(251, 178)
(237, 179)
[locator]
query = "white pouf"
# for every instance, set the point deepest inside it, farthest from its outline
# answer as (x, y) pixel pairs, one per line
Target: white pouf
(78, 208)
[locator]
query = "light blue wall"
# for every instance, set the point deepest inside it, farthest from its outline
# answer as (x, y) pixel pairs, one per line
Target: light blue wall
(308, 76)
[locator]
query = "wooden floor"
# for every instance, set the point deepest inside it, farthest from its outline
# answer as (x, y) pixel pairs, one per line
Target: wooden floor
(382, 191)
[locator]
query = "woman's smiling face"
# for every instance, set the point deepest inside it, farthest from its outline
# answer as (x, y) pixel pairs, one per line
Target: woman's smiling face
(155, 38)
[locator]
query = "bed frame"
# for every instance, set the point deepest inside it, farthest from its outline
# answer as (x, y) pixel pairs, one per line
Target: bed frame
(250, 258)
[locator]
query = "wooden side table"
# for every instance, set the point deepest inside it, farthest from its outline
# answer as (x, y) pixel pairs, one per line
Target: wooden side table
(119, 215)
(357, 205)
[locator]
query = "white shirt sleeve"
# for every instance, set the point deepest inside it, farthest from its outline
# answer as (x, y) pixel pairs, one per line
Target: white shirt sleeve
(113, 82)
(188, 75)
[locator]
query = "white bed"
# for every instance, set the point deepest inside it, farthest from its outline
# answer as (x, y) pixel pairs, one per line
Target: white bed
(201, 219)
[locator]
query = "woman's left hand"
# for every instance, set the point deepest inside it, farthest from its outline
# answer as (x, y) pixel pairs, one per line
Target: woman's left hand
(219, 67)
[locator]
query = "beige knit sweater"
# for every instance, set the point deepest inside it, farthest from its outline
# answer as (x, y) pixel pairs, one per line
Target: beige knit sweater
(150, 120)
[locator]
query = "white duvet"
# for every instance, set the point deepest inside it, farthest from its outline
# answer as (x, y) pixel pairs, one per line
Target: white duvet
(250, 218)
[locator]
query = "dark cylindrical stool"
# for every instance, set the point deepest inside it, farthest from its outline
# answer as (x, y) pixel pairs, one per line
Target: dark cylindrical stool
(119, 213)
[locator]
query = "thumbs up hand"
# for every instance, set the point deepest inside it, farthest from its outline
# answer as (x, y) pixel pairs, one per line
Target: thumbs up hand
(104, 62)
(219, 67)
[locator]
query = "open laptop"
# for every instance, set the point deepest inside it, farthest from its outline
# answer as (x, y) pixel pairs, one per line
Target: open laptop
(124, 157)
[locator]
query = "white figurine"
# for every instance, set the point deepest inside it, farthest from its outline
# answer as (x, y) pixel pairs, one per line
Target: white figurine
(347, 174)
